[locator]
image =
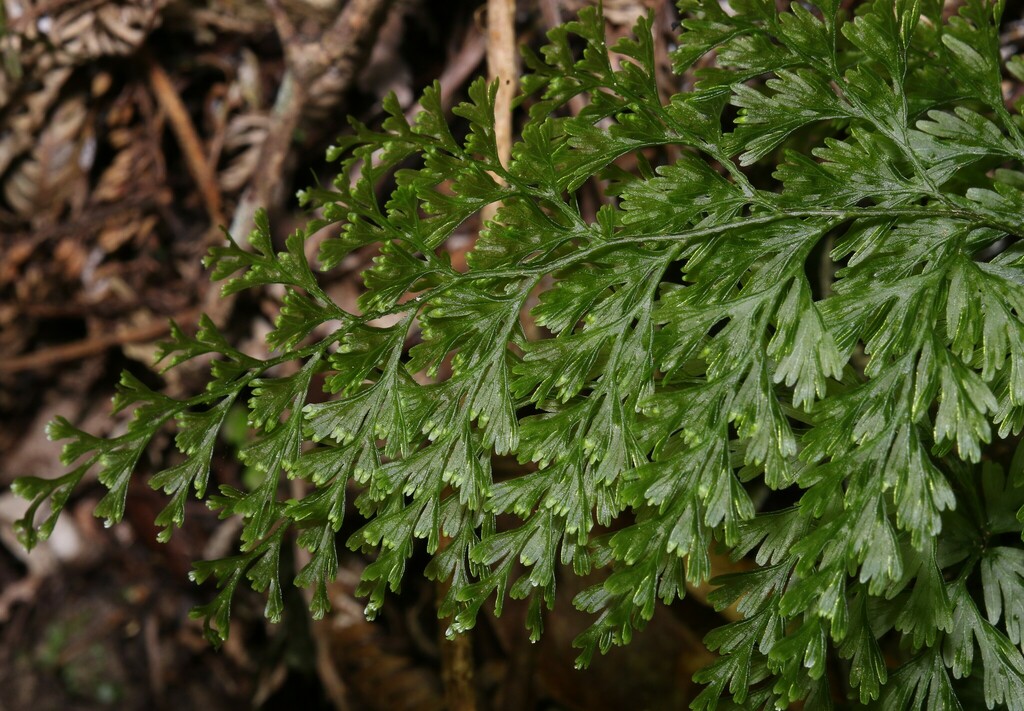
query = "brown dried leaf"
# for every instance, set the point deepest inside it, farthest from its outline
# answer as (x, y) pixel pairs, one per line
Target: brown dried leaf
(117, 233)
(243, 141)
(134, 171)
(53, 175)
(27, 118)
(130, 168)
(87, 30)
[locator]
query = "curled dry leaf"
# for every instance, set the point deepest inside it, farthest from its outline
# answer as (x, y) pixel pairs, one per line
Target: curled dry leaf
(26, 118)
(133, 173)
(243, 141)
(86, 30)
(53, 175)
(47, 151)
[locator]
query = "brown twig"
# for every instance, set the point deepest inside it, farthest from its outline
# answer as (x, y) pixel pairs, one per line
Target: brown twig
(502, 65)
(339, 52)
(191, 146)
(77, 350)
(457, 672)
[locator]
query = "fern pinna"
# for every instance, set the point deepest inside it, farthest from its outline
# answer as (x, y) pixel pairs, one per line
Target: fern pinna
(821, 294)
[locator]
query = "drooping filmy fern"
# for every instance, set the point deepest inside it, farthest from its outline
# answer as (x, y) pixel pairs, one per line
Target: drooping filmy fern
(805, 278)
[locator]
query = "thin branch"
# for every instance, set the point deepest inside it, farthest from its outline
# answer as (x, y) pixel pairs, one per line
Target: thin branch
(46, 357)
(191, 145)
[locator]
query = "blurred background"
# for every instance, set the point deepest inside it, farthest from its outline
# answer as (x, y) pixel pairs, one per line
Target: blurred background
(129, 132)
